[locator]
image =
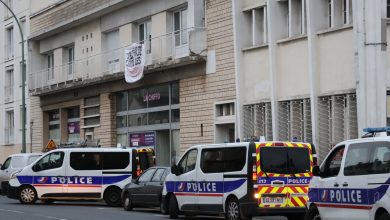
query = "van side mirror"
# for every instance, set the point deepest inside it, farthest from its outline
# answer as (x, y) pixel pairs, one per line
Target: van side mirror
(35, 168)
(316, 171)
(175, 170)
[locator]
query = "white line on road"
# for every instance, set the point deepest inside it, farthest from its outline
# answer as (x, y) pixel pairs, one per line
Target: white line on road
(6, 210)
(52, 217)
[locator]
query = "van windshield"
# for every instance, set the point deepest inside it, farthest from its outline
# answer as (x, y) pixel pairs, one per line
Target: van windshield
(284, 160)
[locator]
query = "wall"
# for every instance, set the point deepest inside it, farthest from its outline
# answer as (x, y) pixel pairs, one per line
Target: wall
(336, 72)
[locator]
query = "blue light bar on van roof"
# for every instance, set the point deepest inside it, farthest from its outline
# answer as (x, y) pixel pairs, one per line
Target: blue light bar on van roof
(376, 130)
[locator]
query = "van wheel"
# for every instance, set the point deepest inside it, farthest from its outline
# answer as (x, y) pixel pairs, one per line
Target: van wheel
(173, 207)
(112, 197)
(163, 209)
(27, 195)
(127, 204)
(233, 210)
(312, 214)
(384, 216)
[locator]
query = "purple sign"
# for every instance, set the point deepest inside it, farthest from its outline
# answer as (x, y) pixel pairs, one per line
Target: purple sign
(143, 139)
(74, 127)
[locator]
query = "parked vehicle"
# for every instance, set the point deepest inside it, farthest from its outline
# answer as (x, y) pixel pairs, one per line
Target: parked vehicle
(241, 180)
(146, 191)
(14, 163)
(80, 174)
(353, 181)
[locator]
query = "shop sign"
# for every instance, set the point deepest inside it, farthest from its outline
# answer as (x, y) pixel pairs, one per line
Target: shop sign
(74, 127)
(134, 62)
(143, 139)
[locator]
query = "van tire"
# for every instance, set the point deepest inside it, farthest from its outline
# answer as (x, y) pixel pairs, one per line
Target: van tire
(127, 203)
(163, 208)
(384, 216)
(232, 210)
(173, 207)
(112, 197)
(312, 214)
(27, 195)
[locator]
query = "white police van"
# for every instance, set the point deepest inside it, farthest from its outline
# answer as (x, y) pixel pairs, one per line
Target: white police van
(240, 180)
(353, 181)
(79, 174)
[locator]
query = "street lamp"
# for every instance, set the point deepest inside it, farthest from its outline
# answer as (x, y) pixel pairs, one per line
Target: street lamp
(23, 80)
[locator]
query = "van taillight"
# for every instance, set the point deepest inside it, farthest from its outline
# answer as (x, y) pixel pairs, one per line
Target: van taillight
(254, 176)
(315, 161)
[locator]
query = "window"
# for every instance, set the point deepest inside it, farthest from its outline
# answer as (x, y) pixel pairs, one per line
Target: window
(54, 125)
(6, 163)
(339, 13)
(138, 99)
(258, 121)
(10, 4)
(144, 35)
(258, 20)
(70, 61)
(367, 158)
(225, 109)
(17, 162)
(73, 124)
(158, 175)
(188, 162)
(333, 163)
(9, 84)
(115, 160)
(158, 96)
(9, 127)
(111, 46)
(180, 27)
(86, 160)
(219, 160)
(285, 160)
(145, 177)
(91, 111)
(297, 18)
(50, 66)
(50, 161)
(9, 43)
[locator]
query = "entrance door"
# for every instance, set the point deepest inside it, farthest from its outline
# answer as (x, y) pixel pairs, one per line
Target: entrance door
(85, 175)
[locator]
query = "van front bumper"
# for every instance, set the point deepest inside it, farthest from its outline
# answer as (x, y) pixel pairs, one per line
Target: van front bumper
(251, 209)
(8, 190)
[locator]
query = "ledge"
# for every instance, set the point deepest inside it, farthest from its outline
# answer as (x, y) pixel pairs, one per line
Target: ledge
(254, 47)
(331, 30)
(290, 39)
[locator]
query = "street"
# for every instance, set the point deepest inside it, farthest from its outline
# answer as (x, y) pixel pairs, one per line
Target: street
(12, 210)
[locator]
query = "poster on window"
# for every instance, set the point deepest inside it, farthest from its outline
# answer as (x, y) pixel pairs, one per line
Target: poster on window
(74, 127)
(143, 139)
(134, 62)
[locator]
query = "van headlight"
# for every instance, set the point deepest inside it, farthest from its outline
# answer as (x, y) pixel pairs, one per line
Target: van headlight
(13, 175)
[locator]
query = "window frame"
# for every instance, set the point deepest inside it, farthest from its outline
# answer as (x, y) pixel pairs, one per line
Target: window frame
(39, 168)
(325, 168)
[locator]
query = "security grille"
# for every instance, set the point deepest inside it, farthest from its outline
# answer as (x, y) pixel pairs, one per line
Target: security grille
(295, 120)
(258, 121)
(337, 117)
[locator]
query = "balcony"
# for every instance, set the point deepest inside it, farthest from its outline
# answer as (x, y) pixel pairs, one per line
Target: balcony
(9, 136)
(171, 50)
(8, 93)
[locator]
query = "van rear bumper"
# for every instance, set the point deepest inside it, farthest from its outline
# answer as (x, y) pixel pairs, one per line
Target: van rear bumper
(251, 209)
(8, 190)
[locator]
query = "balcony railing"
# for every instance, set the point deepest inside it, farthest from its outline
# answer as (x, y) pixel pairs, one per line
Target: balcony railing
(159, 51)
(9, 135)
(8, 93)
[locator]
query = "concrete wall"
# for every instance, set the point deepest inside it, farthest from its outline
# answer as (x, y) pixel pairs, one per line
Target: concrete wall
(37, 6)
(252, 3)
(255, 76)
(292, 69)
(336, 70)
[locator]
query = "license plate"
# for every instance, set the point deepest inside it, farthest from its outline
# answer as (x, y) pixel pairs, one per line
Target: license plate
(272, 200)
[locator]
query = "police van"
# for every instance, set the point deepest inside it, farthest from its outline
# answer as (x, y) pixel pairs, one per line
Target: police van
(240, 180)
(79, 174)
(353, 180)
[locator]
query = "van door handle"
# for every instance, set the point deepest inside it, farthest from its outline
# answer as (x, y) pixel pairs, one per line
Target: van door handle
(336, 185)
(345, 184)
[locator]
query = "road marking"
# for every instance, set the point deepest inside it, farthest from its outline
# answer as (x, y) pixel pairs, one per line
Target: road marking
(6, 210)
(52, 217)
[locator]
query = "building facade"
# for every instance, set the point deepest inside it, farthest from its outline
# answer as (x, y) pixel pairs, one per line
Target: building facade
(76, 74)
(311, 70)
(11, 78)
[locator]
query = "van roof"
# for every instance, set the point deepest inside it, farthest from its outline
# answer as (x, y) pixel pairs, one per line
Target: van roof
(26, 154)
(360, 140)
(87, 149)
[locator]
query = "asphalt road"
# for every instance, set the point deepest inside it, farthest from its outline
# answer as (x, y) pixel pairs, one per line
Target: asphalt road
(12, 210)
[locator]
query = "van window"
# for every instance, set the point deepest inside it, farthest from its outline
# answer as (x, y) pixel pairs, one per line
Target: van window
(285, 160)
(333, 163)
(32, 159)
(115, 160)
(218, 160)
(188, 162)
(17, 162)
(367, 158)
(6, 163)
(50, 161)
(86, 160)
